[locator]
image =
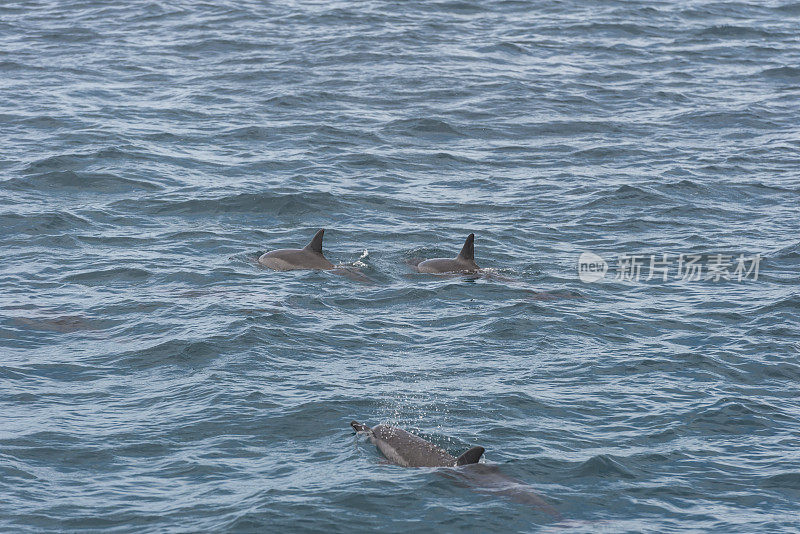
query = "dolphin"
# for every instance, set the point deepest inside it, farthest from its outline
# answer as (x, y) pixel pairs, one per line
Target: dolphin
(489, 479)
(407, 450)
(287, 259)
(463, 263)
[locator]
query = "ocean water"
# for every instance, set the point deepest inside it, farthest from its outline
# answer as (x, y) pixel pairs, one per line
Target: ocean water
(154, 378)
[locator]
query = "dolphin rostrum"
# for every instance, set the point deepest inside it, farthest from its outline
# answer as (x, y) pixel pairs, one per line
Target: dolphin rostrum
(287, 259)
(407, 450)
(463, 263)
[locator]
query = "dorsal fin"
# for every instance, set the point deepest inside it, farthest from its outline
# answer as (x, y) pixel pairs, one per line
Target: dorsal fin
(471, 456)
(468, 252)
(316, 243)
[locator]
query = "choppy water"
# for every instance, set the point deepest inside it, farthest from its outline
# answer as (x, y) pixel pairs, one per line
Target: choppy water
(153, 378)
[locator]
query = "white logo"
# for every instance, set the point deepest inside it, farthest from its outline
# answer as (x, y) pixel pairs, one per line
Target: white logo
(591, 267)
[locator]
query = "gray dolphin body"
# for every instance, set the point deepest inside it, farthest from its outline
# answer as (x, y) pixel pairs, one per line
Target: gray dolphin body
(288, 259)
(463, 263)
(407, 450)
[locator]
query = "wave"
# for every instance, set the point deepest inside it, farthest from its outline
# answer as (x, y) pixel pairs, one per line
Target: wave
(753, 120)
(61, 323)
(505, 47)
(792, 8)
(604, 465)
(105, 276)
(422, 127)
(265, 203)
(782, 73)
(729, 416)
(786, 480)
(628, 195)
(738, 32)
(48, 222)
(81, 180)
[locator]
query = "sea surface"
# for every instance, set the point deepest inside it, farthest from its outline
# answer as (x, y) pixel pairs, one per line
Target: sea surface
(155, 378)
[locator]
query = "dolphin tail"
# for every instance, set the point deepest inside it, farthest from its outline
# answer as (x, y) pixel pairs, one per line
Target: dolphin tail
(471, 456)
(316, 243)
(358, 427)
(468, 252)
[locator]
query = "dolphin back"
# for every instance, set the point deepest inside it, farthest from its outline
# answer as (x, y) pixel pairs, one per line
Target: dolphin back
(408, 450)
(288, 259)
(463, 263)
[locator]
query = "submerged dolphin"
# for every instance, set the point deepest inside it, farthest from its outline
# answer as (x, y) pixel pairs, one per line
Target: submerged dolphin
(487, 478)
(463, 263)
(287, 259)
(407, 450)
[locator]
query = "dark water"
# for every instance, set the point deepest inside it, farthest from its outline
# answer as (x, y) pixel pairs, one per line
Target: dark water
(154, 379)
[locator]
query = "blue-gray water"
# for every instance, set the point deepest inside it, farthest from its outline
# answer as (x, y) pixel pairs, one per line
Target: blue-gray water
(154, 378)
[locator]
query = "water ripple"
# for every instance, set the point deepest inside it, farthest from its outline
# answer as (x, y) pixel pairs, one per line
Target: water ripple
(156, 378)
